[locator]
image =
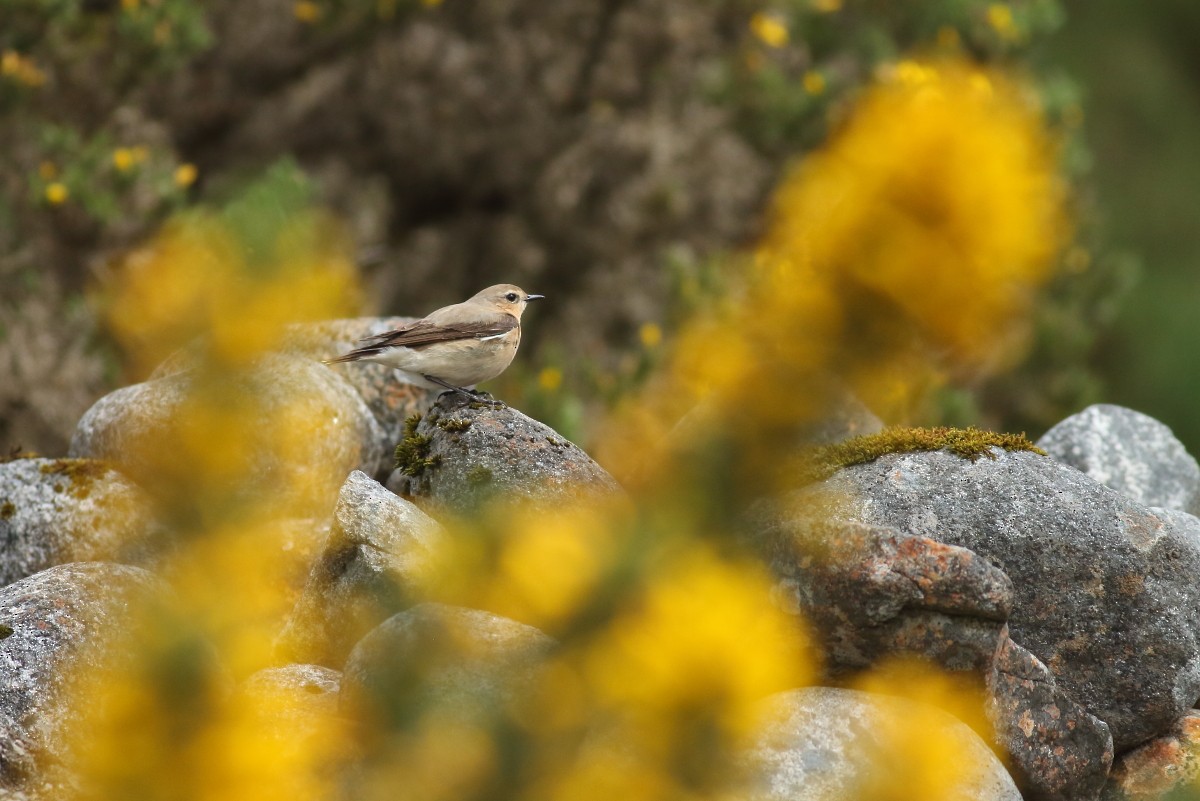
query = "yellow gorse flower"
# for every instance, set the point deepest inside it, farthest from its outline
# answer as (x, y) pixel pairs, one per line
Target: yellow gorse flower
(57, 193)
(1000, 18)
(769, 29)
(185, 175)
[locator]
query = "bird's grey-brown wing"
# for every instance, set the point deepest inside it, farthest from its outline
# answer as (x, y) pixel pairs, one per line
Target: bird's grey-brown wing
(424, 332)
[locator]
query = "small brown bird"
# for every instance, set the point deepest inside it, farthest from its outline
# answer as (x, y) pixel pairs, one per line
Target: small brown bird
(455, 347)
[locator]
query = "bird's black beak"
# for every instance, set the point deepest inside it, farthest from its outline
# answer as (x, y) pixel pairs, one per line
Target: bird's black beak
(534, 297)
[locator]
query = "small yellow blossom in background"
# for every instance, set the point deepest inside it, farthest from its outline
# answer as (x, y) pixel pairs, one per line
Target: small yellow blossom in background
(123, 159)
(814, 82)
(650, 335)
(21, 69)
(1000, 18)
(56, 193)
(130, 5)
(185, 175)
(769, 29)
(48, 170)
(827, 6)
(550, 379)
(307, 11)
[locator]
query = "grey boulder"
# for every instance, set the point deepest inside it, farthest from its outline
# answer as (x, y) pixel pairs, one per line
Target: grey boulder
(61, 626)
(1106, 594)
(54, 511)
(1056, 749)
(378, 556)
(465, 454)
(871, 591)
(465, 662)
(828, 744)
(1131, 452)
(308, 429)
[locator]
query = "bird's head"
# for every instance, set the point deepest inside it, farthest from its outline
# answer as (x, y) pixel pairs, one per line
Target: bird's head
(506, 298)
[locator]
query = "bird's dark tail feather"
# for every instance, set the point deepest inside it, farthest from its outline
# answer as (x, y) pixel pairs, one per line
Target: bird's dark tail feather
(353, 356)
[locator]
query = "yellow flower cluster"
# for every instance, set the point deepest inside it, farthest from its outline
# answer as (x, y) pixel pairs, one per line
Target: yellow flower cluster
(21, 69)
(911, 244)
(769, 29)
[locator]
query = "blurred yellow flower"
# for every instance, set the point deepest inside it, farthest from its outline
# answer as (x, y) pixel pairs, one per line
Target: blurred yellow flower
(814, 82)
(123, 159)
(940, 198)
(650, 335)
(1000, 17)
(827, 6)
(130, 5)
(185, 175)
(21, 69)
(56, 193)
(307, 11)
(550, 379)
(769, 29)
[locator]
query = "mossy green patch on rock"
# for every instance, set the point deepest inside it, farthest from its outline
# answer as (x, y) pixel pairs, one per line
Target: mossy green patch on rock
(453, 424)
(7, 510)
(412, 454)
(81, 473)
(969, 443)
(5, 631)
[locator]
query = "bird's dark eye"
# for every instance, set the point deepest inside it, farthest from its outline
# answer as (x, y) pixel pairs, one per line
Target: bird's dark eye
(511, 297)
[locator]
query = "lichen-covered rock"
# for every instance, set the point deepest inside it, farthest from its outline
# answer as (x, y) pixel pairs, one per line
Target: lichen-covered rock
(465, 454)
(870, 591)
(822, 743)
(1106, 592)
(300, 430)
(1155, 769)
(378, 554)
(390, 400)
(1131, 452)
(54, 511)
(463, 661)
(1056, 749)
(57, 627)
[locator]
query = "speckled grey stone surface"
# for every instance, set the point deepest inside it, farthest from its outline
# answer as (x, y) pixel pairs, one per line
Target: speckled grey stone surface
(378, 551)
(827, 744)
(871, 591)
(1131, 452)
(65, 621)
(291, 702)
(1106, 589)
(478, 454)
(1056, 749)
(54, 511)
(129, 426)
(464, 661)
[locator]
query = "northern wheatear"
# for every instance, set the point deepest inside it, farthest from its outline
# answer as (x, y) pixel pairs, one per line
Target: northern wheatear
(455, 347)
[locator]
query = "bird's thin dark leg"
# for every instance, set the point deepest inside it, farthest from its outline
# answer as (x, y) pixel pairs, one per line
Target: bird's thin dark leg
(472, 395)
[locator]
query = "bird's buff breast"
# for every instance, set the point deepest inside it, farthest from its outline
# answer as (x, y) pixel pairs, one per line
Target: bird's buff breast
(463, 363)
